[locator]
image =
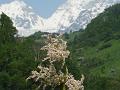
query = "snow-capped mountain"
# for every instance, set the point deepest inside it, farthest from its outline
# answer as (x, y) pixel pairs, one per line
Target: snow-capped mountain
(26, 21)
(90, 11)
(72, 15)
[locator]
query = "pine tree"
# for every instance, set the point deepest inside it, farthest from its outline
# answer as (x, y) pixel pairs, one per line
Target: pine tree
(7, 30)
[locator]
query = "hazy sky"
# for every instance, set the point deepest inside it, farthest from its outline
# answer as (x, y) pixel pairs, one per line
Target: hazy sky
(44, 8)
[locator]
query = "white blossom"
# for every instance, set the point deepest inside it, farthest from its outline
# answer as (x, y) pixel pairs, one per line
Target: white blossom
(56, 50)
(73, 84)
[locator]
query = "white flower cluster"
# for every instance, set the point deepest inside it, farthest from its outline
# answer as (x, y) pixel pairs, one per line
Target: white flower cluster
(47, 76)
(42, 73)
(73, 84)
(56, 50)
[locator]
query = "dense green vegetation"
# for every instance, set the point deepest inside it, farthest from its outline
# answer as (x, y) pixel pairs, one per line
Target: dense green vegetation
(95, 52)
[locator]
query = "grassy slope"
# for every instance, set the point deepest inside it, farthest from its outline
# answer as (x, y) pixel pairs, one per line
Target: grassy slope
(110, 58)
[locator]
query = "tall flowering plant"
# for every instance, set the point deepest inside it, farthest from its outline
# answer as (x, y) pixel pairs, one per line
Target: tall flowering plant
(49, 75)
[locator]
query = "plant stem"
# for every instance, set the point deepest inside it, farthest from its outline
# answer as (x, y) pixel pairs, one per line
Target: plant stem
(63, 87)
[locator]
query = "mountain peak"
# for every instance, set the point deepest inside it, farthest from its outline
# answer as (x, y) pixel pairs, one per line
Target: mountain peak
(18, 2)
(13, 8)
